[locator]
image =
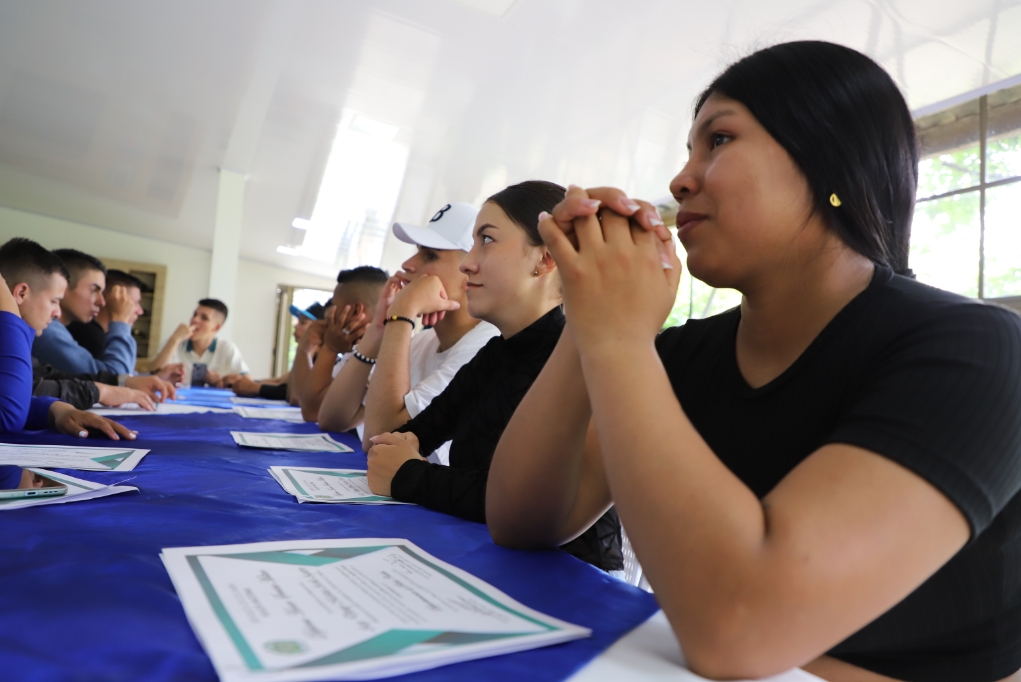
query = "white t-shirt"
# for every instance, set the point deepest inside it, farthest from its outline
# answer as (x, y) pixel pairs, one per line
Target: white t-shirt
(431, 371)
(222, 357)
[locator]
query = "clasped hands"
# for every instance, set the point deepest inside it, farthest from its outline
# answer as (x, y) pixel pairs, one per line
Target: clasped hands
(423, 297)
(388, 453)
(337, 332)
(618, 266)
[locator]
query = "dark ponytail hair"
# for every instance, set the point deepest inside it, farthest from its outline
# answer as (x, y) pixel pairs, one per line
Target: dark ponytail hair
(846, 125)
(524, 202)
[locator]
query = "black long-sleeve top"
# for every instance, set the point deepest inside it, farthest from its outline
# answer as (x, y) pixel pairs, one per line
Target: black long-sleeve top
(472, 412)
(79, 390)
(273, 391)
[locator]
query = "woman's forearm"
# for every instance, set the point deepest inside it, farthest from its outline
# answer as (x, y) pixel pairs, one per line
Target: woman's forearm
(304, 358)
(543, 489)
(384, 402)
(316, 383)
(341, 407)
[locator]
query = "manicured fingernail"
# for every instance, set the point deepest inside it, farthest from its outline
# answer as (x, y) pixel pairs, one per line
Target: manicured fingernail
(543, 216)
(591, 203)
(654, 218)
(83, 434)
(572, 186)
(665, 259)
(131, 436)
(630, 205)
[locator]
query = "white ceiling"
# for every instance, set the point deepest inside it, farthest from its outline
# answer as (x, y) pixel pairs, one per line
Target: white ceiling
(119, 113)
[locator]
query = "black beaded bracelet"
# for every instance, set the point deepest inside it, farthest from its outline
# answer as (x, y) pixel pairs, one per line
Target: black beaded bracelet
(394, 318)
(359, 356)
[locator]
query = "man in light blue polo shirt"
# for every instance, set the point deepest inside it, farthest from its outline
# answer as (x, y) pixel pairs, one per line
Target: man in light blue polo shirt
(82, 303)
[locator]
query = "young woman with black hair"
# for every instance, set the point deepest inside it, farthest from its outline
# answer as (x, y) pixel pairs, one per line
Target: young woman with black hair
(824, 477)
(512, 284)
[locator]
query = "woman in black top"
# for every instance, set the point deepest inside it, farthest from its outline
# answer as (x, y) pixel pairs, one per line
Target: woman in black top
(513, 284)
(825, 477)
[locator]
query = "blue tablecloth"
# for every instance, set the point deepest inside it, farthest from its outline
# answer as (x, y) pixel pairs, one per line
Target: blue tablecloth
(85, 597)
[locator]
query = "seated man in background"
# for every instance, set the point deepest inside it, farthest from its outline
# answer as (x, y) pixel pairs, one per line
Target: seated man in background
(37, 279)
(327, 343)
(276, 388)
(18, 408)
(92, 335)
(82, 302)
(197, 343)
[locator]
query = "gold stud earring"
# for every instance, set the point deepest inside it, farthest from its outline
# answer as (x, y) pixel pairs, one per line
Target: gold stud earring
(536, 273)
(834, 200)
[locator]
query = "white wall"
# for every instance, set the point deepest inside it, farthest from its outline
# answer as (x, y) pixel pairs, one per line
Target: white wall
(256, 303)
(254, 310)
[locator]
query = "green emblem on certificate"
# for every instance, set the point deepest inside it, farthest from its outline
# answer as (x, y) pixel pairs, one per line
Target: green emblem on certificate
(285, 646)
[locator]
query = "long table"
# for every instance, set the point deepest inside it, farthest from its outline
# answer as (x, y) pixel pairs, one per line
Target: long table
(85, 596)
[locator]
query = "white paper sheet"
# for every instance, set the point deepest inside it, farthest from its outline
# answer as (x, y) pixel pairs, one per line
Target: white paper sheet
(312, 484)
(650, 653)
(303, 442)
(77, 491)
(345, 610)
(290, 414)
(133, 410)
(71, 457)
(259, 402)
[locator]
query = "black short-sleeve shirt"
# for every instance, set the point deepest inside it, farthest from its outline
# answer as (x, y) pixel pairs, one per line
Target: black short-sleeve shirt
(930, 380)
(472, 412)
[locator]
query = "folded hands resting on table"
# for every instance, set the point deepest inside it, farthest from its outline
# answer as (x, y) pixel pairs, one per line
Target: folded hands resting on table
(388, 453)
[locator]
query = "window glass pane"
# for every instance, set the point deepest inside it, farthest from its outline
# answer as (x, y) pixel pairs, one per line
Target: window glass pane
(1003, 241)
(945, 243)
(1003, 158)
(946, 172)
(1003, 147)
(949, 150)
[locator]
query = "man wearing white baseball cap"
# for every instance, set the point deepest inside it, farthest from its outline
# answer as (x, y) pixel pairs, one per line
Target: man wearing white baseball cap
(408, 370)
(450, 228)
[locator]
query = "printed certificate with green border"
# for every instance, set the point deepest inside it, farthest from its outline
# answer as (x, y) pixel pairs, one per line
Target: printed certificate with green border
(345, 610)
(71, 457)
(303, 442)
(289, 414)
(312, 484)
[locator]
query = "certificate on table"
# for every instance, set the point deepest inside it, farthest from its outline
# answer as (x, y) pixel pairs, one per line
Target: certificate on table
(133, 410)
(304, 442)
(264, 402)
(345, 609)
(345, 486)
(290, 414)
(77, 491)
(71, 457)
